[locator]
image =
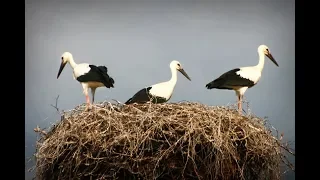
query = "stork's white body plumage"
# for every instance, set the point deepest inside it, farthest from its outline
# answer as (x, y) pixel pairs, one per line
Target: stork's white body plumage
(160, 92)
(240, 79)
(90, 76)
(164, 89)
(80, 69)
(251, 73)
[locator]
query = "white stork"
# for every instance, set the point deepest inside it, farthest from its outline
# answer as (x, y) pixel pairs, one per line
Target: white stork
(240, 79)
(161, 92)
(90, 76)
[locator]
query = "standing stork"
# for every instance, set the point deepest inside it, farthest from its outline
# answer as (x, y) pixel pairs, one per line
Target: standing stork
(240, 79)
(161, 92)
(90, 76)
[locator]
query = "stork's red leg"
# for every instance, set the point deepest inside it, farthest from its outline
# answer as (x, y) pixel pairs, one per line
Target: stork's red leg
(88, 103)
(87, 99)
(240, 108)
(85, 92)
(239, 104)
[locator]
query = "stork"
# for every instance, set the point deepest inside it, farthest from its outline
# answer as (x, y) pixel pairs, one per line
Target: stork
(161, 92)
(89, 76)
(240, 79)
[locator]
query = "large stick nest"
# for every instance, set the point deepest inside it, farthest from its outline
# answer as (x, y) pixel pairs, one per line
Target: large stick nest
(158, 141)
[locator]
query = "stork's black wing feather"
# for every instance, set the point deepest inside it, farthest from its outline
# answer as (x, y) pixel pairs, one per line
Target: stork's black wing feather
(97, 74)
(142, 96)
(228, 80)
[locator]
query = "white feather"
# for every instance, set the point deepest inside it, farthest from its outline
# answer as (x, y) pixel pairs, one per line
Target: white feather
(252, 73)
(81, 69)
(164, 89)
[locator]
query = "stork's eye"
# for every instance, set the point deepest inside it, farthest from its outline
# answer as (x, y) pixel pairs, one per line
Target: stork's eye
(62, 58)
(178, 64)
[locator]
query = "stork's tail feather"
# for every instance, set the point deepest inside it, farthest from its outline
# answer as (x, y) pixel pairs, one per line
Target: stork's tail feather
(128, 102)
(111, 81)
(210, 85)
(108, 81)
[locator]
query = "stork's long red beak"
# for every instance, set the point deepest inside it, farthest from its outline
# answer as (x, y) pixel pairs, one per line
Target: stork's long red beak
(61, 68)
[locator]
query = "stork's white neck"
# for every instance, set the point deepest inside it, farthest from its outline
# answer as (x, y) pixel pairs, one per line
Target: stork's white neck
(173, 79)
(261, 61)
(72, 63)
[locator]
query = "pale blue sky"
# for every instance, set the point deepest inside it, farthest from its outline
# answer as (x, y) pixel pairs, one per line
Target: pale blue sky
(136, 40)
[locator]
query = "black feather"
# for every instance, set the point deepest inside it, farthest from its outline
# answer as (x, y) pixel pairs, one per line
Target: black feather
(97, 74)
(228, 80)
(143, 96)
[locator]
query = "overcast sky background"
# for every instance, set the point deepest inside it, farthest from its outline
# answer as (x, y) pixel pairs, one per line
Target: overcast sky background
(136, 40)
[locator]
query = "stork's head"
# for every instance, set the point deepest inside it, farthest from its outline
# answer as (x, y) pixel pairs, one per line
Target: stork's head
(65, 58)
(265, 50)
(175, 65)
